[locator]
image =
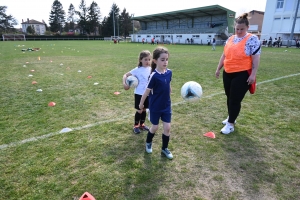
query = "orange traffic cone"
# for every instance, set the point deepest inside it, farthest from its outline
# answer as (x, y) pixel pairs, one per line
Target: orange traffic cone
(210, 135)
(52, 104)
(87, 196)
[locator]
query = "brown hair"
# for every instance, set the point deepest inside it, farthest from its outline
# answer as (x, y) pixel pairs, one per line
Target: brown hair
(242, 19)
(143, 54)
(156, 55)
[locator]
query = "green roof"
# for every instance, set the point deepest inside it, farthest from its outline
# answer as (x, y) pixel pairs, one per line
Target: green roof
(188, 13)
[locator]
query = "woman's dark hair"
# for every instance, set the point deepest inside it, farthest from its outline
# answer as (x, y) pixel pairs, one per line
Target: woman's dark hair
(156, 54)
(242, 19)
(142, 55)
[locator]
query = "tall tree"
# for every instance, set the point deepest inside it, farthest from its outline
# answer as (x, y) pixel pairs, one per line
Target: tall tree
(125, 23)
(57, 17)
(94, 17)
(110, 24)
(83, 14)
(71, 16)
(7, 22)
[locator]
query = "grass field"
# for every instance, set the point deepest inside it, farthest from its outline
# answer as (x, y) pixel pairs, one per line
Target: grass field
(102, 155)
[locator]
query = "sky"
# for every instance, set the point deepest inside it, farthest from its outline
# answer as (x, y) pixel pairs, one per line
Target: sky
(40, 9)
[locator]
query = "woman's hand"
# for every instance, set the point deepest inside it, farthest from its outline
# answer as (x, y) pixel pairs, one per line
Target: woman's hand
(217, 73)
(251, 79)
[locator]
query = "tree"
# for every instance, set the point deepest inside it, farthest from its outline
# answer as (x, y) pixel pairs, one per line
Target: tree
(30, 30)
(83, 14)
(109, 26)
(57, 17)
(71, 16)
(125, 23)
(93, 17)
(7, 22)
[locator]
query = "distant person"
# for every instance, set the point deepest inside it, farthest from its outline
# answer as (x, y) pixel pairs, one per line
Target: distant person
(297, 44)
(270, 42)
(214, 44)
(240, 60)
(159, 91)
(279, 42)
(275, 42)
(143, 40)
(192, 40)
(152, 41)
(142, 72)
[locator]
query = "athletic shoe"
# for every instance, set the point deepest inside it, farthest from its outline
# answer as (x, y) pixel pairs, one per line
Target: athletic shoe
(167, 153)
(228, 128)
(143, 127)
(136, 129)
(226, 120)
(149, 147)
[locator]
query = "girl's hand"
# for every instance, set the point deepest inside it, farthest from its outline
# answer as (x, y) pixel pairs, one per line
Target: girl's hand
(141, 106)
(126, 87)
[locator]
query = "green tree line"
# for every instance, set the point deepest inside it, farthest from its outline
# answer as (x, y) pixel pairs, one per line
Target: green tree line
(87, 19)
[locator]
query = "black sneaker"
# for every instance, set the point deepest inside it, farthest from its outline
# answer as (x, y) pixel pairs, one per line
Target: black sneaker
(167, 153)
(136, 129)
(143, 127)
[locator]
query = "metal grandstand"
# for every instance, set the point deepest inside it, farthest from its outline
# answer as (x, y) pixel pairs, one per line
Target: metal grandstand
(201, 24)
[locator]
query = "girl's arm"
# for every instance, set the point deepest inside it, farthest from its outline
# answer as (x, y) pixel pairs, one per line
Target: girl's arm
(146, 93)
(126, 87)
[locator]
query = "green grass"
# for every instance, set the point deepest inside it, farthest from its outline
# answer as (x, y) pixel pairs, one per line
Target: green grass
(260, 160)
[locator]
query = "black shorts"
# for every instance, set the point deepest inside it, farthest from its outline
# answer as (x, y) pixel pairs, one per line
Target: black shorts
(137, 99)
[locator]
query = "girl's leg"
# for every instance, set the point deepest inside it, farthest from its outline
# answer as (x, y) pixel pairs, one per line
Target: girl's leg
(166, 135)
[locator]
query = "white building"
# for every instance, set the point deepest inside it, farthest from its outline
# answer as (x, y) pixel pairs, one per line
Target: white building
(39, 27)
(278, 20)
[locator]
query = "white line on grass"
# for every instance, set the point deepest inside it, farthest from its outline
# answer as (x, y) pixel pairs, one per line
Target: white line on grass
(4, 146)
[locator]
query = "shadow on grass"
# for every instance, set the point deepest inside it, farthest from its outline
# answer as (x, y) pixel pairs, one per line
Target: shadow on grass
(246, 163)
(147, 174)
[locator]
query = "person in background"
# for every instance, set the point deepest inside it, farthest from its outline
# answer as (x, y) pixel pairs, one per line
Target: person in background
(159, 91)
(240, 60)
(214, 44)
(141, 72)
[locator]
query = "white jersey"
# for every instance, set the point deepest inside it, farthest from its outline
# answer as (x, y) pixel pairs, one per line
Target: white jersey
(142, 74)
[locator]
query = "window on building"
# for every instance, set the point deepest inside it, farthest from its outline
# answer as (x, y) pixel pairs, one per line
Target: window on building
(279, 4)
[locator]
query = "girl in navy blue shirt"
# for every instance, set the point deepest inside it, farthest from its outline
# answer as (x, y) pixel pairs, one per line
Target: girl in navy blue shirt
(159, 90)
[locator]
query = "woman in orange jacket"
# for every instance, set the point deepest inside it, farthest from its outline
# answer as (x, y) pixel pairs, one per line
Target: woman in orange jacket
(240, 60)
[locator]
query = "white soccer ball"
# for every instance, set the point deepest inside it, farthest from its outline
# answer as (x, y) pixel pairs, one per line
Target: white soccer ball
(132, 81)
(191, 91)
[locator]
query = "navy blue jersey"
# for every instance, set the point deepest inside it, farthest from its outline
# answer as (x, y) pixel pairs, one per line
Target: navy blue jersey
(159, 97)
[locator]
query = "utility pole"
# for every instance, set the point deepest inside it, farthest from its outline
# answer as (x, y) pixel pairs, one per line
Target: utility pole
(114, 23)
(132, 15)
(293, 27)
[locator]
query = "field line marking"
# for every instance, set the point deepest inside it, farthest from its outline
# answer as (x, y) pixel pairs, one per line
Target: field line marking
(4, 146)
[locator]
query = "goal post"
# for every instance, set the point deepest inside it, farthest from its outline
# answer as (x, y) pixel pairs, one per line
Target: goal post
(13, 37)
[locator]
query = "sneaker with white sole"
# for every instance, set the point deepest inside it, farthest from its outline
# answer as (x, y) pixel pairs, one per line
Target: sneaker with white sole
(228, 128)
(167, 153)
(149, 147)
(226, 120)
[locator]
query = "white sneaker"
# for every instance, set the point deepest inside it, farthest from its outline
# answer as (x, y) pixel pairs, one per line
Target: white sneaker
(228, 128)
(149, 147)
(226, 120)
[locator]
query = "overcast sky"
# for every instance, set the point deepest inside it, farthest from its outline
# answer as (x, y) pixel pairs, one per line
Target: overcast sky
(40, 9)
